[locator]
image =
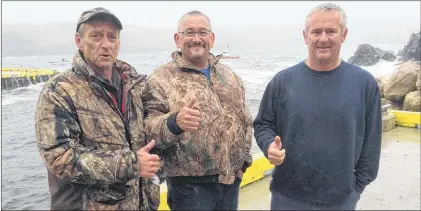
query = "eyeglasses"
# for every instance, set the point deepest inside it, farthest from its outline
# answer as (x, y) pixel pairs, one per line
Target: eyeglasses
(191, 33)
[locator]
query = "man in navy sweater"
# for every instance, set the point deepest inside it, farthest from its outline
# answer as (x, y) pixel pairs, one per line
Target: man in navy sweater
(319, 123)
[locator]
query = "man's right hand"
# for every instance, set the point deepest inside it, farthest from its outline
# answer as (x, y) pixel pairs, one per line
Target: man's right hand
(276, 156)
(188, 119)
(148, 163)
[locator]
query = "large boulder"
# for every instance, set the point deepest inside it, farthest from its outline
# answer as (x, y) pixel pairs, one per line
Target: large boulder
(365, 55)
(402, 81)
(385, 55)
(411, 51)
(381, 81)
(412, 102)
(388, 56)
(400, 53)
(378, 51)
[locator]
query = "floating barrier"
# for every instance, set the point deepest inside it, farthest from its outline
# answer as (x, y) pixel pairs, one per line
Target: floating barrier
(12, 78)
(407, 118)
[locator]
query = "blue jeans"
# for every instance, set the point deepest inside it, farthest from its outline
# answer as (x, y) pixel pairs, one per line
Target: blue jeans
(203, 196)
(283, 202)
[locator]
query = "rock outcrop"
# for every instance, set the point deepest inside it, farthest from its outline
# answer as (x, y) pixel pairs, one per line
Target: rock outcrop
(412, 49)
(412, 102)
(367, 55)
(402, 81)
(386, 55)
(400, 52)
(381, 81)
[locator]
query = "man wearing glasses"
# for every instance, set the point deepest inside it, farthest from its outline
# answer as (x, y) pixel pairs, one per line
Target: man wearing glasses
(197, 115)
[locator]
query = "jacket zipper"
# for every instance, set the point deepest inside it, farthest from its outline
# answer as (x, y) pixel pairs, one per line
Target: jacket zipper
(112, 105)
(128, 100)
(210, 88)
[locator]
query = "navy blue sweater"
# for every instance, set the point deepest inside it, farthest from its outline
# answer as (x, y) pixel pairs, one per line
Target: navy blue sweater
(330, 127)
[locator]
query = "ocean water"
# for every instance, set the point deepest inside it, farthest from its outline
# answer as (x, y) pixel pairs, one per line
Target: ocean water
(24, 175)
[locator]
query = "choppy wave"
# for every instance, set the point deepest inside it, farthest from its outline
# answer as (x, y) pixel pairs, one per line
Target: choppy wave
(382, 68)
(20, 94)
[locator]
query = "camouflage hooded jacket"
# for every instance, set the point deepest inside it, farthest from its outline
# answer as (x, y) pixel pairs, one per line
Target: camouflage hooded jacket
(89, 146)
(221, 145)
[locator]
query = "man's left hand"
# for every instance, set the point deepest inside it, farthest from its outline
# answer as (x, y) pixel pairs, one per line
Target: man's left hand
(239, 174)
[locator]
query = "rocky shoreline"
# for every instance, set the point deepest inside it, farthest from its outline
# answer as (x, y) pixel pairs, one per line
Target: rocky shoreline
(368, 55)
(401, 89)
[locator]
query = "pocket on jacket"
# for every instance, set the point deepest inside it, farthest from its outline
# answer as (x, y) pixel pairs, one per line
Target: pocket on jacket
(108, 195)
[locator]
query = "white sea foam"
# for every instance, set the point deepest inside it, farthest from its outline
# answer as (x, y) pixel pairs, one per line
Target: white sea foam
(382, 68)
(21, 94)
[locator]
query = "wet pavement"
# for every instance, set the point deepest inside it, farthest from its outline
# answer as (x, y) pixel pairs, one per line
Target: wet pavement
(396, 187)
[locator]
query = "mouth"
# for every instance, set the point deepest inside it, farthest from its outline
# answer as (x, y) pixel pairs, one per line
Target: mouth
(197, 46)
(323, 48)
(107, 56)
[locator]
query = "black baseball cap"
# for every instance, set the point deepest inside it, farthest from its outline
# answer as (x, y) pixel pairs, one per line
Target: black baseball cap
(97, 12)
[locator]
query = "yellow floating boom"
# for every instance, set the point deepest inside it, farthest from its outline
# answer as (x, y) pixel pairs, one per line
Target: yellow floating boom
(407, 118)
(14, 72)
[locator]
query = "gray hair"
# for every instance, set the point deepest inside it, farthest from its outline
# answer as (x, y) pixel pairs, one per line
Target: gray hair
(193, 13)
(327, 7)
(80, 30)
(104, 19)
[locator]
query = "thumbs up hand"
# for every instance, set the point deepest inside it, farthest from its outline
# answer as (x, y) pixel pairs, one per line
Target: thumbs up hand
(188, 119)
(148, 163)
(276, 156)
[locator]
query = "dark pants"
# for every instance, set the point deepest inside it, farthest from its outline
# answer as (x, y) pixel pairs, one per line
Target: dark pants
(203, 196)
(283, 202)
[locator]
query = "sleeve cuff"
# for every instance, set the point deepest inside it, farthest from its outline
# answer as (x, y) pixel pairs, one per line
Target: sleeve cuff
(134, 157)
(246, 165)
(135, 164)
(172, 125)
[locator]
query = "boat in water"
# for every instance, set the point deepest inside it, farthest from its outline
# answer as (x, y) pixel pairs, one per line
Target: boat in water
(63, 62)
(226, 54)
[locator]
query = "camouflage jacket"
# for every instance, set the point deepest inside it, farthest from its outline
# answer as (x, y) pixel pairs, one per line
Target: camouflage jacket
(221, 145)
(89, 146)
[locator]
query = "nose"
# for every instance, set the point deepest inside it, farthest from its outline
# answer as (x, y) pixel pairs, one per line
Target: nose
(323, 37)
(106, 43)
(196, 37)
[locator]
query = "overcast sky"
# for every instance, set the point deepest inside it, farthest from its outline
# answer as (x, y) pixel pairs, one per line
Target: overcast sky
(165, 14)
(384, 24)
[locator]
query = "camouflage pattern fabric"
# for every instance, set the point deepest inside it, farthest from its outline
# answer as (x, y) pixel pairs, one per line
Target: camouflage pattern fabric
(87, 143)
(221, 145)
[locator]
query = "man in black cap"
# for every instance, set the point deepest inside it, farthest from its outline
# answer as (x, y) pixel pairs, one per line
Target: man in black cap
(89, 126)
